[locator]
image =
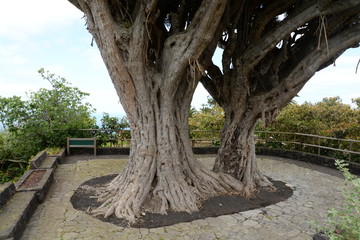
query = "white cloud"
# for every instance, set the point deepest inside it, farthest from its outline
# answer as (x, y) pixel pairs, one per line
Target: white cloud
(18, 21)
(14, 89)
(200, 97)
(94, 59)
(349, 60)
(14, 60)
(339, 80)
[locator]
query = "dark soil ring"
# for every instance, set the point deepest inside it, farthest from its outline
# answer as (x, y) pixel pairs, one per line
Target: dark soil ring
(212, 207)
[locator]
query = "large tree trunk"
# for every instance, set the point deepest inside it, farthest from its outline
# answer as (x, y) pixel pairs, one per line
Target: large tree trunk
(153, 49)
(236, 155)
(155, 71)
(266, 61)
(162, 173)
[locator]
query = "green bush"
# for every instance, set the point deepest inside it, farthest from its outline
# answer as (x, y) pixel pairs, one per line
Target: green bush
(209, 117)
(45, 120)
(329, 118)
(112, 132)
(343, 223)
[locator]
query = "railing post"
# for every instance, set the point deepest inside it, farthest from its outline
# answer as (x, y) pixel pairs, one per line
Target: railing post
(351, 144)
(319, 144)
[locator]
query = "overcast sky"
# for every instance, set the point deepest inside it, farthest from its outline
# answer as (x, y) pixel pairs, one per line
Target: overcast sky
(52, 35)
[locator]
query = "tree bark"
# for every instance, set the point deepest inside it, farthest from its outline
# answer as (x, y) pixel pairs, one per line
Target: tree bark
(162, 173)
(155, 78)
(236, 155)
(153, 50)
(266, 62)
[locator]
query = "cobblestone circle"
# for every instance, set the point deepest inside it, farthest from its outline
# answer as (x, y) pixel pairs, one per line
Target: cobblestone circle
(315, 190)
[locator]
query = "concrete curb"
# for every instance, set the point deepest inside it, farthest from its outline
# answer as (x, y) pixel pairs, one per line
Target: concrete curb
(60, 155)
(17, 204)
(329, 162)
(16, 213)
(38, 159)
(42, 186)
(7, 190)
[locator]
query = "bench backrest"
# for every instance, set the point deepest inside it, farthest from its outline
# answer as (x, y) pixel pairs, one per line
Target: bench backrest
(81, 143)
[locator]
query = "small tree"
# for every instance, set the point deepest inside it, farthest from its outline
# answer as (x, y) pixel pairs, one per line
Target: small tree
(13, 113)
(45, 120)
(113, 123)
(54, 113)
(206, 122)
(330, 117)
(357, 102)
(112, 130)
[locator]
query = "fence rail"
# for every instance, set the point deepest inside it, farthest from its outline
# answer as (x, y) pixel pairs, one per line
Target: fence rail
(348, 149)
(326, 146)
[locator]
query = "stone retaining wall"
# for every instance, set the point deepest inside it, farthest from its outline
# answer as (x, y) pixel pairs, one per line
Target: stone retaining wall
(354, 168)
(296, 155)
(18, 203)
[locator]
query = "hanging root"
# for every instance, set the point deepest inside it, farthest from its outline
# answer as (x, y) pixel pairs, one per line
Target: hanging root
(322, 29)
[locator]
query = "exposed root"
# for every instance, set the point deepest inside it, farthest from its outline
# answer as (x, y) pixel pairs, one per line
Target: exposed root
(180, 189)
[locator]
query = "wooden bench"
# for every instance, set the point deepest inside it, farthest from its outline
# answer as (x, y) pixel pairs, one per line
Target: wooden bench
(81, 143)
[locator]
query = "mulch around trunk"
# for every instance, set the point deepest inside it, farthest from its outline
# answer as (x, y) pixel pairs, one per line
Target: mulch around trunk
(212, 207)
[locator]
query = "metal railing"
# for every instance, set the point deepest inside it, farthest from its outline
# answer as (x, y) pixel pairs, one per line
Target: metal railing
(325, 146)
(348, 149)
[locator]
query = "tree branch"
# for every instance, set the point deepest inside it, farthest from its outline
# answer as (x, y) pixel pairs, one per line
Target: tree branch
(102, 26)
(187, 47)
(259, 49)
(213, 82)
(293, 82)
(271, 10)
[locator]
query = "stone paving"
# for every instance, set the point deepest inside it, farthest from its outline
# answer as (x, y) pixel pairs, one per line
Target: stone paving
(315, 189)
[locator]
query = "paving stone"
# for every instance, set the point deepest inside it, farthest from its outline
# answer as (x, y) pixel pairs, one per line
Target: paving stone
(15, 214)
(49, 162)
(314, 193)
(70, 236)
(251, 213)
(250, 223)
(293, 233)
(229, 219)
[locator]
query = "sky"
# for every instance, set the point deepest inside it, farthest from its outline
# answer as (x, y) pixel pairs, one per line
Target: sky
(52, 35)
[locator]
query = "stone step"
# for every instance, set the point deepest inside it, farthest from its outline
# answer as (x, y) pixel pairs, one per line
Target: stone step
(41, 186)
(36, 161)
(60, 155)
(15, 214)
(49, 162)
(7, 190)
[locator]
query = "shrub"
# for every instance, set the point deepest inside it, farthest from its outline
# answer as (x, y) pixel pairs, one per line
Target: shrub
(344, 222)
(45, 120)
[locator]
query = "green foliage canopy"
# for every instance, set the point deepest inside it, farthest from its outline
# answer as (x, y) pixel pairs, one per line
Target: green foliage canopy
(45, 120)
(209, 117)
(13, 112)
(330, 118)
(112, 130)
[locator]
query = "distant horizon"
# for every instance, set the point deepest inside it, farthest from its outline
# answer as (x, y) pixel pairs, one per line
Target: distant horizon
(99, 115)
